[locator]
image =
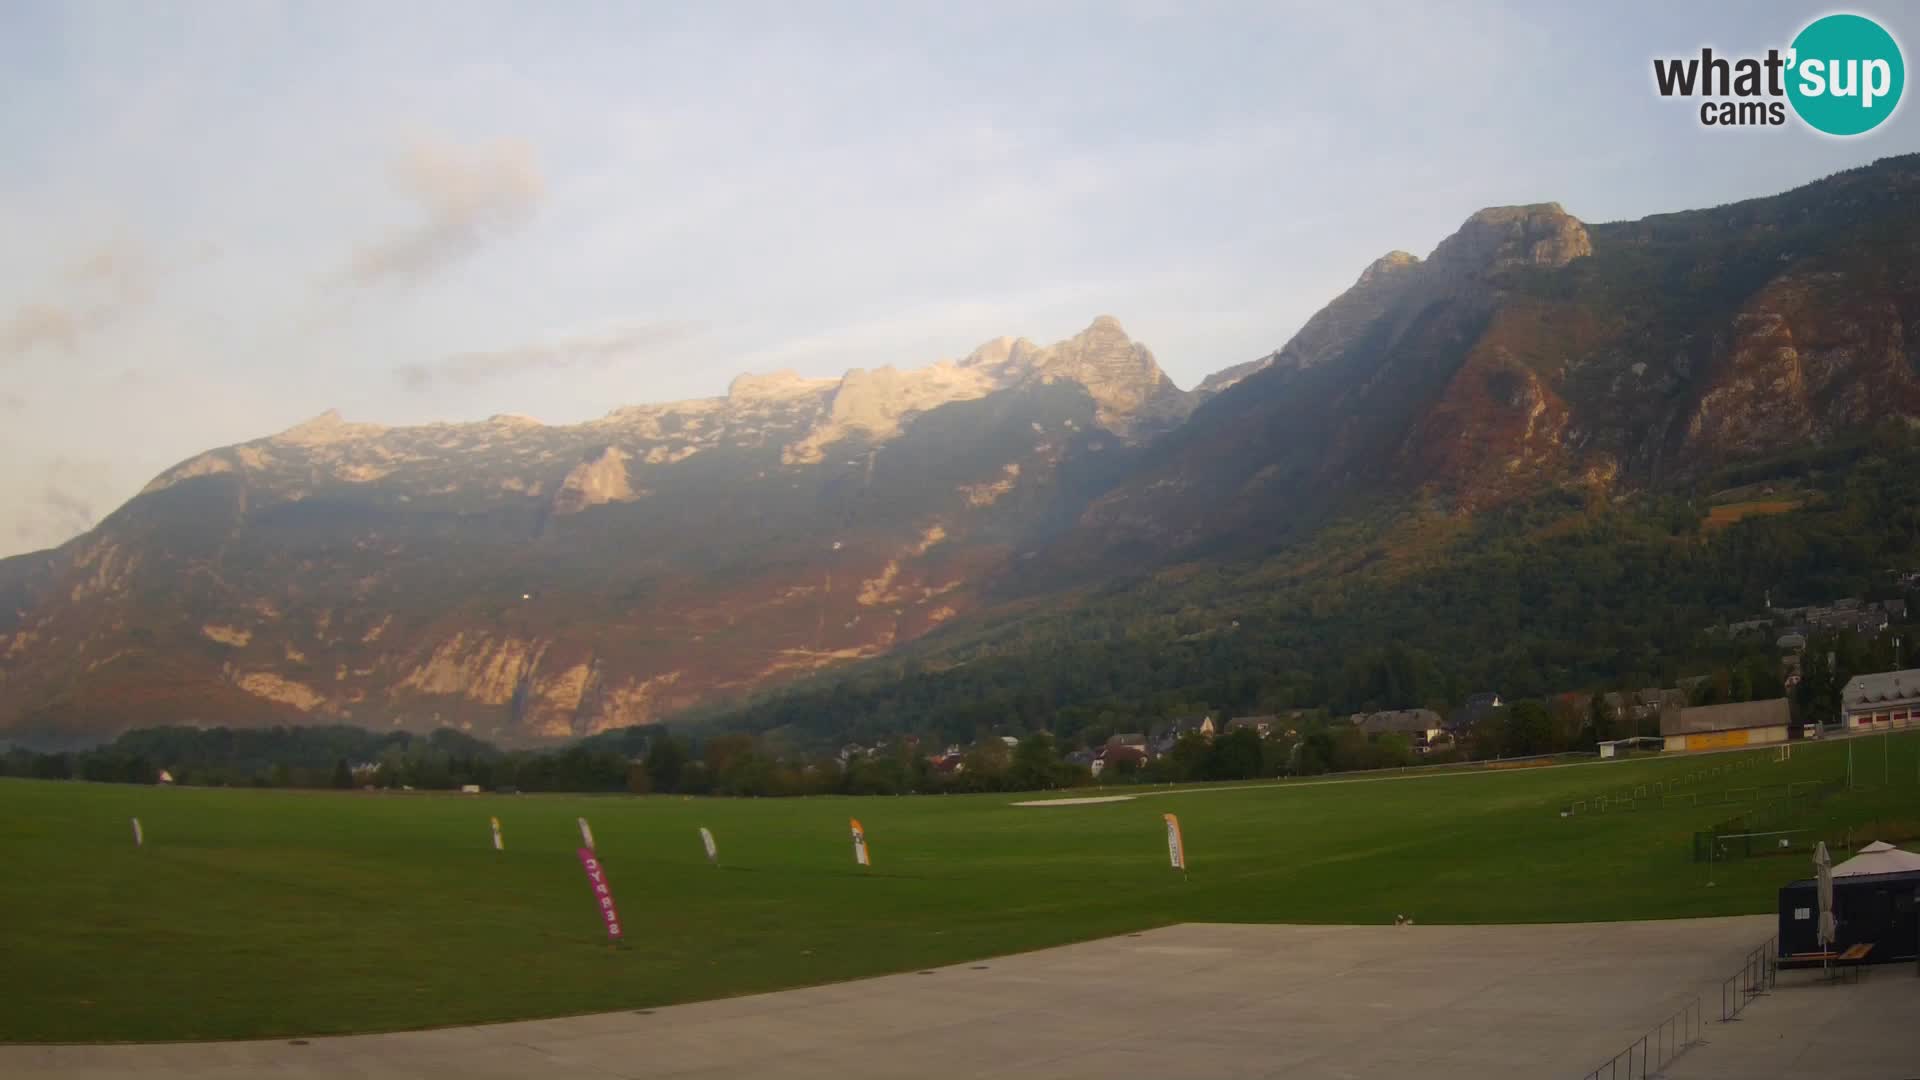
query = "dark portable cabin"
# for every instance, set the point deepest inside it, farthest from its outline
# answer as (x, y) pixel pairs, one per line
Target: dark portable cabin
(1881, 910)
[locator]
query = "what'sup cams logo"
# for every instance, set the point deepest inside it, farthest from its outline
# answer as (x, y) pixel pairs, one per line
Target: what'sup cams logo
(1842, 75)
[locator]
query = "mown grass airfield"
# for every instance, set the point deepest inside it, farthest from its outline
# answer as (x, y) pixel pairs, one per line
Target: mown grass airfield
(253, 914)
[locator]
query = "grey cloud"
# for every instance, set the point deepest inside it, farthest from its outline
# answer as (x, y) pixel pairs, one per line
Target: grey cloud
(581, 351)
(468, 195)
(65, 511)
(61, 501)
(92, 292)
(35, 325)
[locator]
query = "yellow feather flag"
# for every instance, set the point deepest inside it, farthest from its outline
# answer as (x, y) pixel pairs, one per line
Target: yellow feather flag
(1176, 848)
(860, 843)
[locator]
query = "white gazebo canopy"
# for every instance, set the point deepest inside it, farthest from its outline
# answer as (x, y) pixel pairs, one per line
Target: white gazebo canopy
(1878, 857)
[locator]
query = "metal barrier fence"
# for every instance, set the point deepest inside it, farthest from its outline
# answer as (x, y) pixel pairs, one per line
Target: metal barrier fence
(1656, 1049)
(1767, 823)
(1665, 794)
(1754, 978)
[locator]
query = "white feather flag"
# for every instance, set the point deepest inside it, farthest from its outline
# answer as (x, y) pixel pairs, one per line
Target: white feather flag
(860, 854)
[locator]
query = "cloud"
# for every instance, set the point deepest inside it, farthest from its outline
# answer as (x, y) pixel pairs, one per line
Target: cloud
(467, 194)
(57, 500)
(12, 402)
(580, 351)
(90, 293)
(35, 325)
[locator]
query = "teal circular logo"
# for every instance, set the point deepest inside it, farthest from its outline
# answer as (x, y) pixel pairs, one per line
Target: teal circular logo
(1846, 74)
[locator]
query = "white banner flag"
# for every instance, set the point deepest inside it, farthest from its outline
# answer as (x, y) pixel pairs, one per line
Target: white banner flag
(498, 844)
(586, 835)
(1176, 850)
(860, 843)
(713, 852)
(139, 838)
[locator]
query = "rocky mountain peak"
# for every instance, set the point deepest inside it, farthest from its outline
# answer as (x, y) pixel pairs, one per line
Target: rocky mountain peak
(1099, 355)
(1125, 381)
(998, 353)
(601, 477)
(779, 386)
(1538, 234)
(1387, 264)
(1120, 374)
(328, 427)
(514, 420)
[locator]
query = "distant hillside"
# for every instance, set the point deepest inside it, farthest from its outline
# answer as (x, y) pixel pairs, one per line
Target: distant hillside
(1559, 593)
(527, 583)
(1531, 351)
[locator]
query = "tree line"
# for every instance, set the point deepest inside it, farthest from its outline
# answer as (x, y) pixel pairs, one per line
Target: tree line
(337, 756)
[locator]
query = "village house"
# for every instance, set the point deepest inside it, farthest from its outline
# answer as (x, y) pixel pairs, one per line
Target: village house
(1643, 709)
(1849, 613)
(1195, 725)
(1886, 701)
(1111, 755)
(1721, 727)
(1477, 708)
(1422, 727)
(1262, 726)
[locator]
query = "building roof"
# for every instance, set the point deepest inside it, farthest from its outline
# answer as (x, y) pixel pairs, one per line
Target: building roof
(1255, 722)
(1895, 877)
(1878, 858)
(1402, 721)
(1737, 716)
(1892, 688)
(1130, 739)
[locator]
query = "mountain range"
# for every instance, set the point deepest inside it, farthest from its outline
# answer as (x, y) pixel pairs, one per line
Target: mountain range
(528, 582)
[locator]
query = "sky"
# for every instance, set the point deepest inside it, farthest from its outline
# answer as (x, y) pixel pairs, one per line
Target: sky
(218, 220)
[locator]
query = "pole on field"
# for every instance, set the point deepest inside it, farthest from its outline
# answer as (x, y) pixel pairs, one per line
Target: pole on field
(139, 837)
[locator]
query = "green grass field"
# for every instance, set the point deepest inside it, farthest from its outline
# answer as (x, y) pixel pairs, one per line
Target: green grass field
(270, 913)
